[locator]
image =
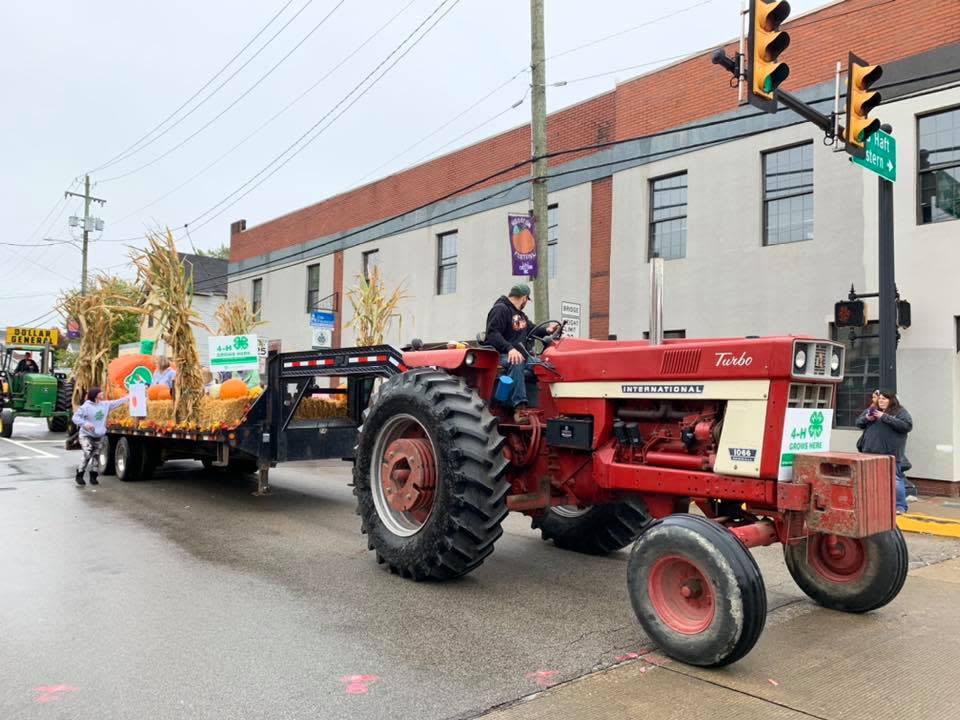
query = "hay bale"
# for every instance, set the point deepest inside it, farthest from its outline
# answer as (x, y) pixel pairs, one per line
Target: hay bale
(320, 409)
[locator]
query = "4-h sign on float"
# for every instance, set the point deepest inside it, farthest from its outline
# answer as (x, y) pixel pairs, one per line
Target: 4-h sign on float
(804, 431)
(233, 352)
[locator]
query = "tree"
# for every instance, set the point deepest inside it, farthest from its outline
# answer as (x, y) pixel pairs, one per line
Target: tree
(222, 252)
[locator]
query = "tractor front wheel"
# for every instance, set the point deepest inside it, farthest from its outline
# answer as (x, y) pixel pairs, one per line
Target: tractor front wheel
(429, 476)
(696, 590)
(594, 530)
(850, 574)
(60, 423)
(6, 422)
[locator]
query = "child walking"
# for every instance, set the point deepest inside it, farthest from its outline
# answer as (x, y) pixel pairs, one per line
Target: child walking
(91, 419)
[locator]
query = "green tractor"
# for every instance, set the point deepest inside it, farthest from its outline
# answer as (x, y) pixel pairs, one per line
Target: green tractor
(46, 394)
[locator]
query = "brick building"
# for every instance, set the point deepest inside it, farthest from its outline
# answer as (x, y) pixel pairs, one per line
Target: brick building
(750, 209)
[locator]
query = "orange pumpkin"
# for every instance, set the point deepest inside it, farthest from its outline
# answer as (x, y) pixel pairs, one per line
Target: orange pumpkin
(233, 388)
(158, 392)
(523, 242)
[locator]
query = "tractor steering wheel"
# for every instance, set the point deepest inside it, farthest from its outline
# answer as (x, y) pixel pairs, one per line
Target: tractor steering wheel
(546, 340)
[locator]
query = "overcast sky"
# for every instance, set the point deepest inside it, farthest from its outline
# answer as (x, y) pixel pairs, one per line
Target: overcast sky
(83, 82)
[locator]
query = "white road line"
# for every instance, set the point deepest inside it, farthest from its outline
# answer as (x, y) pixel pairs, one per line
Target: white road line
(39, 442)
(25, 457)
(39, 453)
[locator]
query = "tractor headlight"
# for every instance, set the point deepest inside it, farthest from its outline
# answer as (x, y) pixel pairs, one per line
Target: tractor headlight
(800, 359)
(835, 362)
(471, 358)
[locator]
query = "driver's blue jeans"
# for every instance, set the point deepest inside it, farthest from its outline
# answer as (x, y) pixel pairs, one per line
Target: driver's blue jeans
(516, 373)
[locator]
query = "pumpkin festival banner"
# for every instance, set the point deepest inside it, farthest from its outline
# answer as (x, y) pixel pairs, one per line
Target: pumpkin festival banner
(523, 244)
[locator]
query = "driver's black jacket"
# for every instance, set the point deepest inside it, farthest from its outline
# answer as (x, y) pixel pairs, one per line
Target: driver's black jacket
(27, 366)
(507, 327)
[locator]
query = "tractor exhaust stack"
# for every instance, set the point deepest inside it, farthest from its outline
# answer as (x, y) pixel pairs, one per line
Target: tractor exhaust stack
(656, 301)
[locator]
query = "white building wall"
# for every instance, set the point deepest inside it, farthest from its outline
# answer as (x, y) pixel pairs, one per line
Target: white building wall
(483, 271)
(284, 310)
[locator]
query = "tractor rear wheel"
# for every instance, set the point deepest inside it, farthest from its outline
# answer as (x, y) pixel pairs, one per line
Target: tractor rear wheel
(594, 530)
(106, 456)
(429, 476)
(696, 590)
(6, 422)
(64, 405)
(129, 459)
(850, 574)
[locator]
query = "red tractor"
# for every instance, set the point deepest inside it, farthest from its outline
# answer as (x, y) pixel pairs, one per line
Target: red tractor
(625, 439)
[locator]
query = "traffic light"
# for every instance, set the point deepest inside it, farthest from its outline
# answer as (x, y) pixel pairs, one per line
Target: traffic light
(766, 43)
(850, 313)
(860, 101)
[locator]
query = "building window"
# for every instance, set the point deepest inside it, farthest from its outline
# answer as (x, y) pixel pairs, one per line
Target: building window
(788, 195)
(371, 260)
(256, 297)
(668, 217)
(150, 321)
(313, 287)
(447, 263)
(553, 234)
(938, 149)
(861, 376)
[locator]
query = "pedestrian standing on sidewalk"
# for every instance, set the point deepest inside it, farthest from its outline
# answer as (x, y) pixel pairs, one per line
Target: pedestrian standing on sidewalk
(885, 425)
(91, 418)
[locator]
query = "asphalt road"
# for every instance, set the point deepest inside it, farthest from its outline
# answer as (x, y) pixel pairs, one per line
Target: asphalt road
(187, 597)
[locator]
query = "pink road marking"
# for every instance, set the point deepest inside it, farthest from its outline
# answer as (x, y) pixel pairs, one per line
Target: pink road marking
(358, 684)
(51, 693)
(543, 678)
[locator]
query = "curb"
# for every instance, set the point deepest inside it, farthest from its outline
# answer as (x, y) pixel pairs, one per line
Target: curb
(929, 525)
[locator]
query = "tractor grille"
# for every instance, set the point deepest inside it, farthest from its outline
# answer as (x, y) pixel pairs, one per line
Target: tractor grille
(680, 362)
(810, 395)
(820, 360)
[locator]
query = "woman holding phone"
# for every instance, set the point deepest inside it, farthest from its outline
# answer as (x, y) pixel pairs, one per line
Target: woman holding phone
(885, 424)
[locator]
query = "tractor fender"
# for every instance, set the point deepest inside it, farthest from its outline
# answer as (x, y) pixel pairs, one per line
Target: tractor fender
(476, 365)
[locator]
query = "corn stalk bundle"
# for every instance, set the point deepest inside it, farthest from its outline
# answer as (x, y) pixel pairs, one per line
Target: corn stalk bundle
(236, 317)
(169, 289)
(373, 308)
(97, 312)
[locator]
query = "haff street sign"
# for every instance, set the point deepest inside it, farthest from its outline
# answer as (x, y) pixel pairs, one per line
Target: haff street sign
(881, 155)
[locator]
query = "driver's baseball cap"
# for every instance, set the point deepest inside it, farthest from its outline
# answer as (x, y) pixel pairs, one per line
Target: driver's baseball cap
(520, 290)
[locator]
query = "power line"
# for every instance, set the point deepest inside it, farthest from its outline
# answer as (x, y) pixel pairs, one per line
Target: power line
(330, 112)
(39, 319)
(268, 121)
(232, 104)
(126, 153)
(215, 90)
(625, 31)
(561, 83)
(516, 166)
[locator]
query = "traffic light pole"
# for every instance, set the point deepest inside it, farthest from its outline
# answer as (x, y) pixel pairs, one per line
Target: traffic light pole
(887, 290)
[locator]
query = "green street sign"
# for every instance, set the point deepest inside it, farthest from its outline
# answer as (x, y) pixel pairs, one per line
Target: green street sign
(881, 155)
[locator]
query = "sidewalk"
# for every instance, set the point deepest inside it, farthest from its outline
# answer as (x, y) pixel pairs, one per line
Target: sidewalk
(899, 662)
(932, 516)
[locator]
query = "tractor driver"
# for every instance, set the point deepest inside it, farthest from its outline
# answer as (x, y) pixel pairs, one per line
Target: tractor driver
(507, 329)
(27, 365)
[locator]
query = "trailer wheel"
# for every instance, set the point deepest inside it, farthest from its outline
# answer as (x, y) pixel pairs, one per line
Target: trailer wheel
(64, 404)
(850, 574)
(128, 459)
(6, 422)
(595, 530)
(696, 590)
(106, 456)
(429, 476)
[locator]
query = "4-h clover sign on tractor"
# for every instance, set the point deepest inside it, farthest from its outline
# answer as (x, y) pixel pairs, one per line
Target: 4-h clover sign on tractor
(661, 447)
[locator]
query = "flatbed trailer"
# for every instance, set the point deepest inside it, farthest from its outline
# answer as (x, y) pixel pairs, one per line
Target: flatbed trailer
(271, 432)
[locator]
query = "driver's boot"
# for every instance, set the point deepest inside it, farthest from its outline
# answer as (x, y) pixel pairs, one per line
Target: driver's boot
(93, 478)
(79, 478)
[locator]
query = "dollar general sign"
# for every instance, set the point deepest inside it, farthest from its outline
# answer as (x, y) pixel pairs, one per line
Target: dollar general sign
(32, 336)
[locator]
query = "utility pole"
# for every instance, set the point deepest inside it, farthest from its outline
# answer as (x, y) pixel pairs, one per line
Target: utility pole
(87, 222)
(888, 289)
(538, 136)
